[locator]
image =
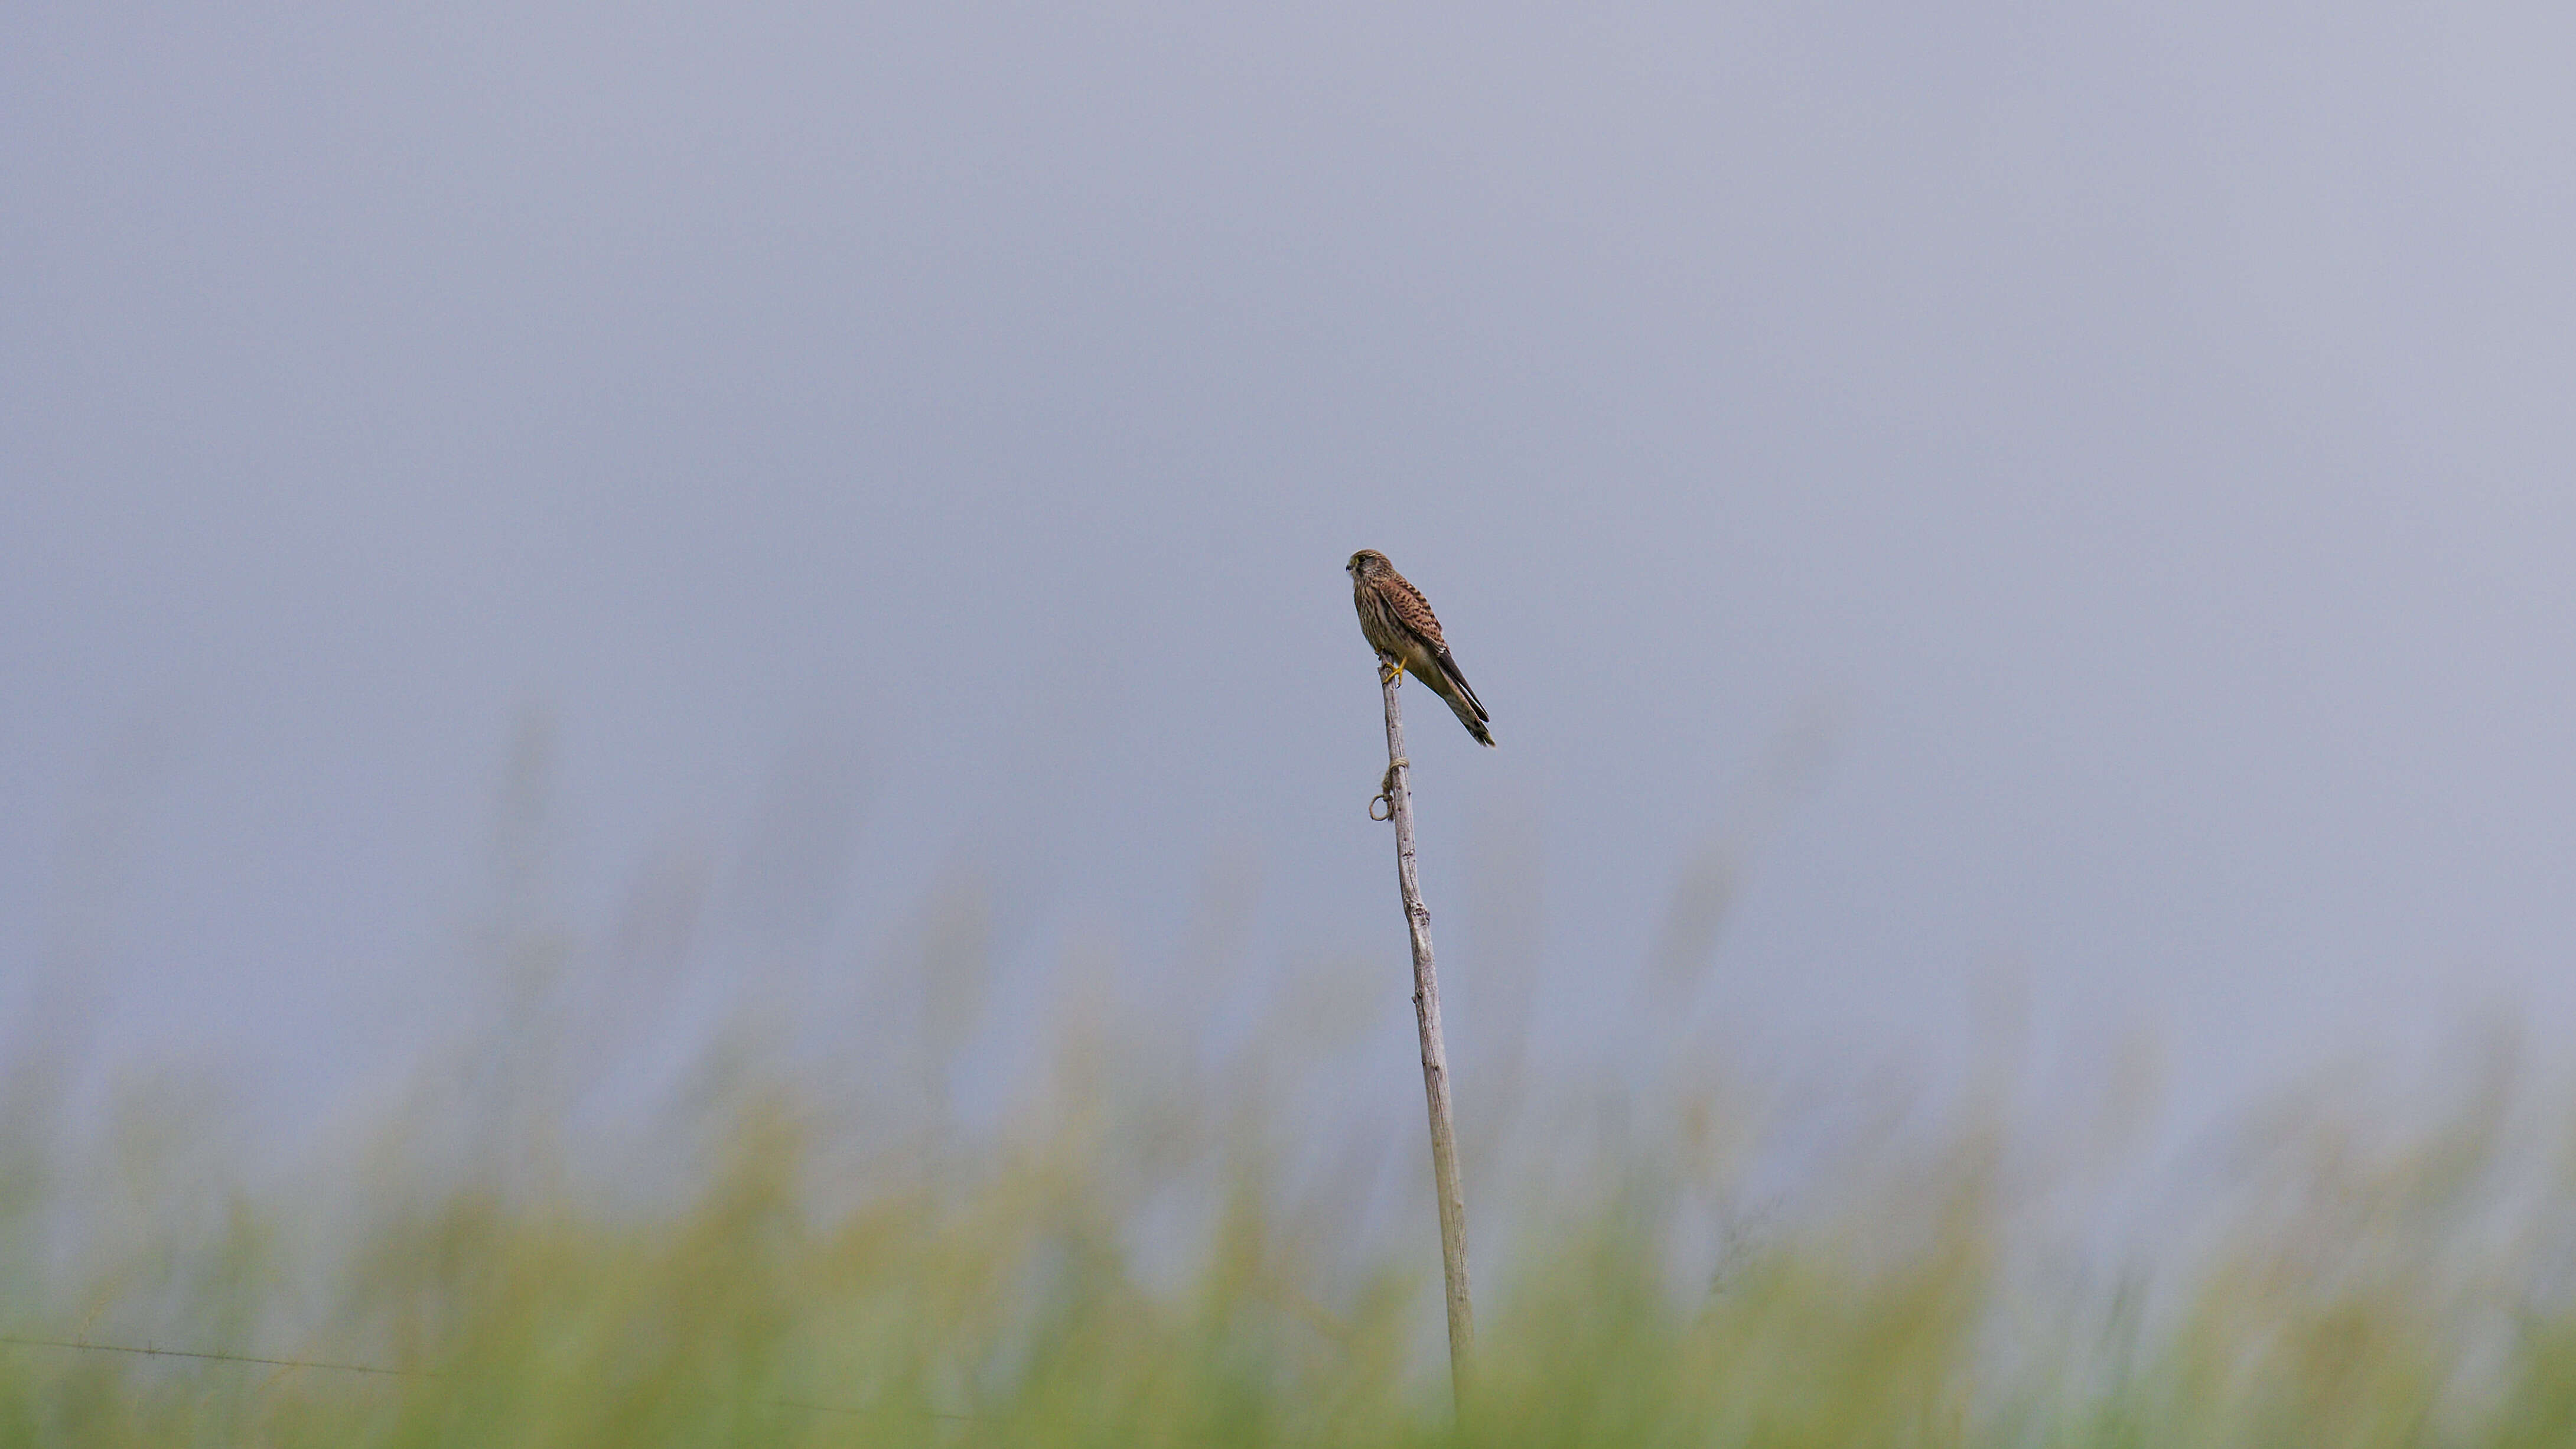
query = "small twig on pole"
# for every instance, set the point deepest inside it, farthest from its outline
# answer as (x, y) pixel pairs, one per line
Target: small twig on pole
(1397, 796)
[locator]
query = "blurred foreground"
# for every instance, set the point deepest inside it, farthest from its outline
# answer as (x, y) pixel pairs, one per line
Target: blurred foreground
(1141, 1252)
(654, 1197)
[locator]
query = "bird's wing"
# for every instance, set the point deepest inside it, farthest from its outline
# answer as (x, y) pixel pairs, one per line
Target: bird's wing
(1413, 611)
(1449, 667)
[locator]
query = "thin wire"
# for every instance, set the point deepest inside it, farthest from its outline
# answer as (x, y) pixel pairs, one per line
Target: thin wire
(1386, 790)
(362, 1368)
(346, 1368)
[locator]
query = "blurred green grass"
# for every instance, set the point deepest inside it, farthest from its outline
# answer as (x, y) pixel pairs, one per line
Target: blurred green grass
(1153, 1242)
(2358, 1284)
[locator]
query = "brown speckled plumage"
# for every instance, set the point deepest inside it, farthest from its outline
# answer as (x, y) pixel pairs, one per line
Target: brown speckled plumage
(1397, 622)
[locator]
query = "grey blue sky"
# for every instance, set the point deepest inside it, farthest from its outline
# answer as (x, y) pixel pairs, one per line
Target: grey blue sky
(2133, 439)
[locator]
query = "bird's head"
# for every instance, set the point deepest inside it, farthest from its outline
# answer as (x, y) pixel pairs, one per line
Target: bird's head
(1367, 562)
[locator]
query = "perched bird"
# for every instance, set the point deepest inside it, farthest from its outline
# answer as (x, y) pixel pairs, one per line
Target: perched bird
(1397, 622)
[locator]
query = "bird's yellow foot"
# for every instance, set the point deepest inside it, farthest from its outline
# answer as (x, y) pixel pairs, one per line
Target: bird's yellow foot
(1388, 669)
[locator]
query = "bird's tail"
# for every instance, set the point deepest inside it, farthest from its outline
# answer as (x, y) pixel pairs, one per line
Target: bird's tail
(1453, 687)
(1464, 706)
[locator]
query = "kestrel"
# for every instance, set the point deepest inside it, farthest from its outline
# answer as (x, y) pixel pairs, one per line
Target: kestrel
(1397, 622)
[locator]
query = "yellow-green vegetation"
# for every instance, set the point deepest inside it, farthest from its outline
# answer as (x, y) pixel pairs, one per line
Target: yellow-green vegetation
(1165, 1235)
(807, 1281)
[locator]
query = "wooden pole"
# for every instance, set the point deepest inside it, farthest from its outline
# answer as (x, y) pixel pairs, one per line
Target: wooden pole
(1398, 797)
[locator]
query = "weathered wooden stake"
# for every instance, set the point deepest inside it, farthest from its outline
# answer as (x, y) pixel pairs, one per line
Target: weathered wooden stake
(1398, 796)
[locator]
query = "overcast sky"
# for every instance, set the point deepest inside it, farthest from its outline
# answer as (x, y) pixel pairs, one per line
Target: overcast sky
(2119, 456)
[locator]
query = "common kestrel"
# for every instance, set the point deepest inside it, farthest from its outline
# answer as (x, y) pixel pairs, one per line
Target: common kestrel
(1397, 622)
